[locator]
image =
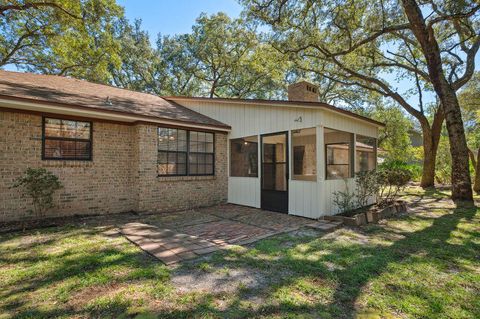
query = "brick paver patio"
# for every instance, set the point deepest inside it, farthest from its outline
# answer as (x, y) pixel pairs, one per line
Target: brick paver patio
(174, 237)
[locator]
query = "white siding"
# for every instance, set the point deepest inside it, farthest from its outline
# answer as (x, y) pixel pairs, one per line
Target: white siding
(306, 198)
(244, 191)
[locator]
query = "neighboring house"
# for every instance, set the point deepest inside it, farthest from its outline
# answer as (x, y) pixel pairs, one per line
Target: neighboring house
(416, 138)
(117, 150)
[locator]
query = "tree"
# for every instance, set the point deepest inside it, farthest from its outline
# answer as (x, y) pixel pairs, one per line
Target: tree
(221, 58)
(469, 99)
(68, 37)
(373, 44)
(140, 64)
(394, 137)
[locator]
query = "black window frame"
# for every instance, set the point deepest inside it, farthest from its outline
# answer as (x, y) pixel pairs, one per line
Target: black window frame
(188, 152)
(176, 152)
(44, 138)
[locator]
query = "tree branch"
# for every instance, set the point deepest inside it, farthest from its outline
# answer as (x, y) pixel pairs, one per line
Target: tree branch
(35, 5)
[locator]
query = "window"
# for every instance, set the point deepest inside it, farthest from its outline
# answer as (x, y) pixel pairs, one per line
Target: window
(244, 157)
(66, 140)
(182, 152)
(201, 156)
(304, 145)
(172, 151)
(366, 149)
(339, 154)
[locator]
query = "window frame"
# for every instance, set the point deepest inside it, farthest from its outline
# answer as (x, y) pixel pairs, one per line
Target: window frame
(173, 152)
(349, 161)
(187, 169)
(205, 153)
(44, 138)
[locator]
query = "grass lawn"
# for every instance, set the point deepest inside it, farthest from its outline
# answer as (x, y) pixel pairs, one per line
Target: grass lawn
(425, 264)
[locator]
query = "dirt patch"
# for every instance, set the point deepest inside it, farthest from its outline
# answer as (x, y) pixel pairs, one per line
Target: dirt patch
(86, 295)
(217, 280)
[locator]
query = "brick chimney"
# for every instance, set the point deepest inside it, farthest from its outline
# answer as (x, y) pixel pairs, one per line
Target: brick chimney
(303, 91)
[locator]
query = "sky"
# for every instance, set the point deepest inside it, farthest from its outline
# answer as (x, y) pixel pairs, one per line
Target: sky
(174, 17)
(169, 17)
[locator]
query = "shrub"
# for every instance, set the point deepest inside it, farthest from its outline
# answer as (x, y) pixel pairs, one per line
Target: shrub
(345, 201)
(366, 186)
(391, 181)
(39, 184)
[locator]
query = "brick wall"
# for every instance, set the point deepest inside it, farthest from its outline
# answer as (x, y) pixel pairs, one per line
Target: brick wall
(302, 91)
(122, 176)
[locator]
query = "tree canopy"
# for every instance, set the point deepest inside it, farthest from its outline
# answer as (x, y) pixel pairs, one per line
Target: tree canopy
(372, 44)
(68, 37)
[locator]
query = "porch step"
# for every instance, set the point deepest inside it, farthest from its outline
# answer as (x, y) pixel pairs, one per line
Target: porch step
(326, 225)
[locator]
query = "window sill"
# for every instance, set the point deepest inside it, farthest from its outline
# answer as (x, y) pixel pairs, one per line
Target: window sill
(67, 163)
(185, 178)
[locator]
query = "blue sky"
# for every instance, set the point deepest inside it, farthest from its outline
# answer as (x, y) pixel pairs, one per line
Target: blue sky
(176, 17)
(173, 17)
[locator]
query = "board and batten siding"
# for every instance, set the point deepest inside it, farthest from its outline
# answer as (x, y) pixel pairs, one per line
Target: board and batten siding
(306, 198)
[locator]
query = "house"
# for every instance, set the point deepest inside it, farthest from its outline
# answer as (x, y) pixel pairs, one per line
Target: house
(116, 150)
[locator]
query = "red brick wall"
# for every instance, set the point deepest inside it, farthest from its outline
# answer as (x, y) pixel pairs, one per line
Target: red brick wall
(121, 177)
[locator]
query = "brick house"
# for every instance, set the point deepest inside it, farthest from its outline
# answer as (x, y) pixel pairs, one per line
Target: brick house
(116, 150)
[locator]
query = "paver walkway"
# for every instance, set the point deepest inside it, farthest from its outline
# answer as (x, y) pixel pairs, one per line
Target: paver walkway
(185, 235)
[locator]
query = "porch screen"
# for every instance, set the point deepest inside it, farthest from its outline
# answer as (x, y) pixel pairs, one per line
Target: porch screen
(244, 157)
(304, 148)
(366, 149)
(338, 153)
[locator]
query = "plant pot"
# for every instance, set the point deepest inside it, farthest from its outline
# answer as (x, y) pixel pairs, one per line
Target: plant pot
(374, 216)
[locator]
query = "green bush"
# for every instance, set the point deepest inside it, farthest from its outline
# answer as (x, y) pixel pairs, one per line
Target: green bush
(366, 184)
(391, 180)
(414, 169)
(345, 201)
(40, 185)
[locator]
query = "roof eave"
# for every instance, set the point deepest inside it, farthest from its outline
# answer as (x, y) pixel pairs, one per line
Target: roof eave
(43, 106)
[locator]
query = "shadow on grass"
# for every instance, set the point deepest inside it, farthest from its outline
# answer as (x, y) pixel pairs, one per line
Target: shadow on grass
(65, 273)
(361, 266)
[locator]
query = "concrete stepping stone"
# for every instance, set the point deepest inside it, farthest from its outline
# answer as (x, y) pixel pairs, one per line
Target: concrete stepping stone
(326, 226)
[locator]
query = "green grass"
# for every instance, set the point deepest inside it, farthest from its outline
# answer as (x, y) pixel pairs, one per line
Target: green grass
(421, 265)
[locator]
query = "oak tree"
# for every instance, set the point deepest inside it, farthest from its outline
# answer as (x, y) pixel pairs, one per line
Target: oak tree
(371, 44)
(68, 37)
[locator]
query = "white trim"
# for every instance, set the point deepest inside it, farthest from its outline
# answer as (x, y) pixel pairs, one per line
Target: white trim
(95, 114)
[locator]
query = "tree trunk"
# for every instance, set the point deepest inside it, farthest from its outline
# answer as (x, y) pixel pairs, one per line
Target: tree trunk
(429, 156)
(461, 182)
(431, 139)
(472, 158)
(476, 186)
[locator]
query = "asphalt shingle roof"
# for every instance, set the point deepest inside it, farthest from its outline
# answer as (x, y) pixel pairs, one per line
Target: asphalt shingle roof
(74, 92)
